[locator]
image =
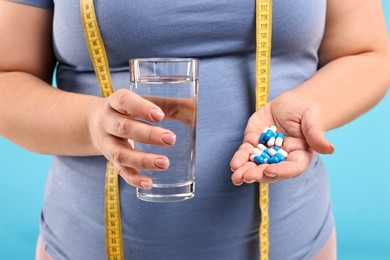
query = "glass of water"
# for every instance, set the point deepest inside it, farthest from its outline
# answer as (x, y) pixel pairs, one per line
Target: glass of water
(172, 84)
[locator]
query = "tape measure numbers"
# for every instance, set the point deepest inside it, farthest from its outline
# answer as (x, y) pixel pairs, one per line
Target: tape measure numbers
(98, 56)
(263, 65)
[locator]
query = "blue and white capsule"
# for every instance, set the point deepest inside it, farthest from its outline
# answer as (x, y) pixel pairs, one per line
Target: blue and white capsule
(272, 160)
(262, 147)
(261, 153)
(271, 141)
(279, 140)
(258, 159)
(280, 151)
(280, 157)
(273, 128)
(262, 137)
(274, 154)
(261, 160)
(271, 132)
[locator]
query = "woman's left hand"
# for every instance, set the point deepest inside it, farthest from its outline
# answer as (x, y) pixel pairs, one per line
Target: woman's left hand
(298, 118)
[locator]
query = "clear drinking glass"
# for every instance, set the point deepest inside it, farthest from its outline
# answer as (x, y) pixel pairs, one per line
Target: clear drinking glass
(172, 84)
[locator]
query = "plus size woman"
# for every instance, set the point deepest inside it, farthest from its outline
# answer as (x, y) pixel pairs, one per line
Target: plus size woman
(328, 66)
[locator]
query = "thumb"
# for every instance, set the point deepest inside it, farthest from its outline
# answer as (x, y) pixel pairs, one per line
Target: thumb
(314, 134)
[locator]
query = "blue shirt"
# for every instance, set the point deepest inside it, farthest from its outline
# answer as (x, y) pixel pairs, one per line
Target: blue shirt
(222, 220)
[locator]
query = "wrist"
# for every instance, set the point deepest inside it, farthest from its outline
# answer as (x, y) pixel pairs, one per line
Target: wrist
(93, 106)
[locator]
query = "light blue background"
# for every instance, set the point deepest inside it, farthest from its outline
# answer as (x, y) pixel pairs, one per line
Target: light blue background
(359, 173)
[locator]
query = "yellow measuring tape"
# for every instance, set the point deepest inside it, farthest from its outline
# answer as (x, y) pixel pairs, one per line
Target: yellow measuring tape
(263, 65)
(98, 55)
(99, 59)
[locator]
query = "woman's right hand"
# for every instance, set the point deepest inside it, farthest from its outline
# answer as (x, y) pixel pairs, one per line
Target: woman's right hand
(113, 126)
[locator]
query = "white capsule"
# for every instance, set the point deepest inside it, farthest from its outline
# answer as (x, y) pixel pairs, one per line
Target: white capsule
(262, 147)
(256, 151)
(281, 151)
(272, 151)
(279, 140)
(252, 157)
(271, 141)
(273, 129)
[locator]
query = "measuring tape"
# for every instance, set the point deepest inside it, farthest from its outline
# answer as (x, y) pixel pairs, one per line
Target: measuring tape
(99, 59)
(263, 65)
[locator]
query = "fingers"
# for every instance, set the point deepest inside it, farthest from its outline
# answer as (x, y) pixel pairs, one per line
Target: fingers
(237, 176)
(133, 178)
(250, 173)
(251, 140)
(122, 154)
(114, 126)
(246, 171)
(126, 160)
(317, 141)
(241, 156)
(314, 135)
(182, 109)
(124, 127)
(268, 173)
(296, 163)
(245, 150)
(130, 104)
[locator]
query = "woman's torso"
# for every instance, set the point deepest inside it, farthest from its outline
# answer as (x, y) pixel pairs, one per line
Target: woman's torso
(222, 221)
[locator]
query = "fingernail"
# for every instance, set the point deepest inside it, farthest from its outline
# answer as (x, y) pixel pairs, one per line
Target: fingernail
(157, 114)
(146, 185)
(332, 149)
(270, 175)
(232, 169)
(161, 163)
(250, 182)
(168, 138)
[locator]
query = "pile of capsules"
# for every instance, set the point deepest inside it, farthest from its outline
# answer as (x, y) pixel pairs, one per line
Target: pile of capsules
(272, 153)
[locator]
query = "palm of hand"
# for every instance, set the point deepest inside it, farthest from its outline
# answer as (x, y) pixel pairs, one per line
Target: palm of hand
(294, 120)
